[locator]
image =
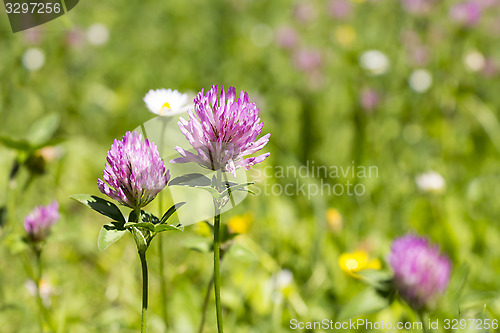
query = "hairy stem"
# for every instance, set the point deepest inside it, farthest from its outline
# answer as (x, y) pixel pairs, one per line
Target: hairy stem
(144, 265)
(216, 268)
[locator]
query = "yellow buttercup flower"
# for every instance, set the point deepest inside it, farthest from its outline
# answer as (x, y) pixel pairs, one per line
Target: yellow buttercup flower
(345, 35)
(240, 224)
(334, 220)
(354, 262)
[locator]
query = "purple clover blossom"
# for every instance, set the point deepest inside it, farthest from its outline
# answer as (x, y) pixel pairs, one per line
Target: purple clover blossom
(39, 222)
(135, 173)
(224, 132)
(468, 13)
(421, 273)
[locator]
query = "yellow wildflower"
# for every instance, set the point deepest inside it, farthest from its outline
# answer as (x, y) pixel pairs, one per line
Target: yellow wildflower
(334, 220)
(240, 224)
(354, 262)
(345, 35)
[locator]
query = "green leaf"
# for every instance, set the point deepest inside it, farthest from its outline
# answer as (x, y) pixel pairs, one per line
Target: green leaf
(17, 144)
(146, 225)
(366, 302)
(239, 187)
(101, 206)
(167, 227)
(3, 215)
(213, 192)
(43, 130)
(191, 179)
(107, 236)
(379, 279)
(145, 217)
(170, 211)
(50, 142)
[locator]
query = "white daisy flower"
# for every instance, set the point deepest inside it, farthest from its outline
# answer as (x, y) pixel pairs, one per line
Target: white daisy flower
(430, 182)
(166, 102)
(375, 62)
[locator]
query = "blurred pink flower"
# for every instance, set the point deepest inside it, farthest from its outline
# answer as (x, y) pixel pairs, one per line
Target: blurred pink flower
(418, 6)
(421, 271)
(305, 12)
(33, 36)
(307, 59)
(75, 38)
(419, 55)
(286, 37)
(340, 8)
(467, 13)
(39, 222)
(369, 99)
(490, 68)
(487, 3)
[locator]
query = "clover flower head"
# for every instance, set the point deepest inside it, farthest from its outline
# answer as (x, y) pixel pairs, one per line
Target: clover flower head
(223, 132)
(166, 102)
(39, 222)
(134, 173)
(468, 13)
(421, 272)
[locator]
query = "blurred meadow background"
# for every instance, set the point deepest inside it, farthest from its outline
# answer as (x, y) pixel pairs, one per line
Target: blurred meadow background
(409, 87)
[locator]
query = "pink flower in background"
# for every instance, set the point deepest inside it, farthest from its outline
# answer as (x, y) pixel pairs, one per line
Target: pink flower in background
(418, 6)
(369, 99)
(39, 222)
(286, 37)
(135, 173)
(467, 13)
(307, 59)
(490, 68)
(224, 132)
(421, 272)
(75, 38)
(340, 8)
(419, 55)
(487, 3)
(305, 12)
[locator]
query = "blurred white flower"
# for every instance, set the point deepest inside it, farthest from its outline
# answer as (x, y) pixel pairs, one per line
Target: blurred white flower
(261, 35)
(46, 290)
(420, 80)
(98, 34)
(283, 279)
(374, 61)
(430, 182)
(474, 61)
(166, 102)
(33, 59)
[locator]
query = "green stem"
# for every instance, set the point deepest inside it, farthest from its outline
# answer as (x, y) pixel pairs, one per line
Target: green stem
(44, 314)
(216, 268)
(163, 282)
(205, 305)
(420, 316)
(144, 265)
